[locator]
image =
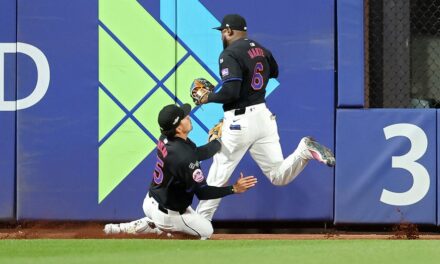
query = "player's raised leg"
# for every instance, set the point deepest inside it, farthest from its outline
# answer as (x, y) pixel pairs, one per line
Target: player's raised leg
(269, 157)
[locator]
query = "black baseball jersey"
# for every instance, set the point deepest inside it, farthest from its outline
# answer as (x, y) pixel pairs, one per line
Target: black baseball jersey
(178, 175)
(253, 65)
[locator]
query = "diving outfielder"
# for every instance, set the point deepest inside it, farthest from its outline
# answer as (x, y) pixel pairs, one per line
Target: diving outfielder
(176, 179)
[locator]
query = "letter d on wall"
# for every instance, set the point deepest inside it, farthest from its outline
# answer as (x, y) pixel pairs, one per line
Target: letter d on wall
(43, 73)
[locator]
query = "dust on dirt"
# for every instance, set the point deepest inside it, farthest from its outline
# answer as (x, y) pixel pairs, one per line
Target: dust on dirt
(94, 230)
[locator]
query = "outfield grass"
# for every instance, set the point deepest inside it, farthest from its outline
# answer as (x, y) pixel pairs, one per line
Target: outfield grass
(131, 251)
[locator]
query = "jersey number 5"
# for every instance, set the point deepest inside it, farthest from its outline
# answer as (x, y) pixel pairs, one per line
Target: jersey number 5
(257, 78)
(158, 172)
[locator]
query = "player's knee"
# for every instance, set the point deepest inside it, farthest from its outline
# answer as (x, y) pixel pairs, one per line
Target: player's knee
(275, 177)
(278, 184)
(277, 181)
(207, 232)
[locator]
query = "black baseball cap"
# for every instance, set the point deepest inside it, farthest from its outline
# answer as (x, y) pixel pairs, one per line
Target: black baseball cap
(171, 115)
(233, 21)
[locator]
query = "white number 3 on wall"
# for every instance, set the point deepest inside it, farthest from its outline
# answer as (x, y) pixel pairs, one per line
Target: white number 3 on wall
(419, 144)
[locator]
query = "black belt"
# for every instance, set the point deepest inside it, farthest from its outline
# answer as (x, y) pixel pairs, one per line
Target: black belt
(240, 111)
(163, 209)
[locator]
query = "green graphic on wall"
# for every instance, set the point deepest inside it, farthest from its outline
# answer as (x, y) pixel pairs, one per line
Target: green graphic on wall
(141, 68)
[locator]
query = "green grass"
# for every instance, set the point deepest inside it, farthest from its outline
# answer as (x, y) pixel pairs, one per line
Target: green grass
(131, 251)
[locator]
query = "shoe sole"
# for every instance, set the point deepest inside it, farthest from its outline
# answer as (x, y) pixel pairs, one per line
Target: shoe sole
(320, 152)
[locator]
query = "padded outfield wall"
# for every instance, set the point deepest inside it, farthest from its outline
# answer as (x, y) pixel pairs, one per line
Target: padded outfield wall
(82, 83)
(387, 159)
(93, 75)
(8, 67)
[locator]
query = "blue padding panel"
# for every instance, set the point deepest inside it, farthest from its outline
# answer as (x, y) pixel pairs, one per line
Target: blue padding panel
(350, 41)
(57, 137)
(7, 118)
(380, 180)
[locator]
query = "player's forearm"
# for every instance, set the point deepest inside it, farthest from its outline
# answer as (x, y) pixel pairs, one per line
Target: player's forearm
(229, 92)
(208, 150)
(211, 192)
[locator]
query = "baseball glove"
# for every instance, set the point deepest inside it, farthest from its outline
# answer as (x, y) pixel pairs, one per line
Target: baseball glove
(216, 131)
(200, 88)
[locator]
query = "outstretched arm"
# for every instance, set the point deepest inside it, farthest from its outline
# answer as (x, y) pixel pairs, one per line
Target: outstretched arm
(208, 192)
(207, 151)
(229, 92)
(244, 183)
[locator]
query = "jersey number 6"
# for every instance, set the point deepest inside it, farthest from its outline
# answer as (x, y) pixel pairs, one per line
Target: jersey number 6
(257, 79)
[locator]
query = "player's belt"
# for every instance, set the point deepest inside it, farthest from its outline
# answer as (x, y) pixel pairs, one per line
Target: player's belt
(243, 110)
(163, 209)
(239, 111)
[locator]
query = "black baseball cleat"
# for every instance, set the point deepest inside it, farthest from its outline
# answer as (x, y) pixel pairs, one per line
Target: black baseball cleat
(319, 152)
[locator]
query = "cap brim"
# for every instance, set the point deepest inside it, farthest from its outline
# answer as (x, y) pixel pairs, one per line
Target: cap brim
(186, 109)
(219, 28)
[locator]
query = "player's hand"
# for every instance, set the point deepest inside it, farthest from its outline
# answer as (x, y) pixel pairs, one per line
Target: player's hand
(200, 89)
(244, 183)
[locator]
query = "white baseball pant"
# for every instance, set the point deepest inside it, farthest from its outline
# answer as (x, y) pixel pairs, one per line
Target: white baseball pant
(189, 222)
(256, 130)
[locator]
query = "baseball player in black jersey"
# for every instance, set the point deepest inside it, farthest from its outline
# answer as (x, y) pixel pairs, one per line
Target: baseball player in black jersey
(176, 178)
(245, 69)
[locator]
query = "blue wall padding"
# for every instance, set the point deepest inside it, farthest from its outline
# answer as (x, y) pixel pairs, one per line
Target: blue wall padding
(350, 39)
(368, 165)
(57, 161)
(7, 118)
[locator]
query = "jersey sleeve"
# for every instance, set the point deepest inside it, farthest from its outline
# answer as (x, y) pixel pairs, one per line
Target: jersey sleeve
(212, 192)
(208, 150)
(196, 182)
(230, 69)
(193, 174)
